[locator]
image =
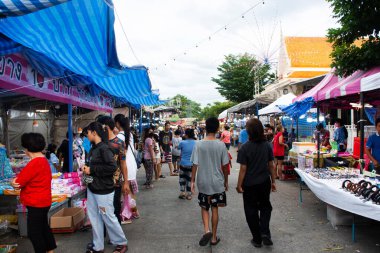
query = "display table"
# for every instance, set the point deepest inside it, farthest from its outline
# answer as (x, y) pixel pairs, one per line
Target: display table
(330, 191)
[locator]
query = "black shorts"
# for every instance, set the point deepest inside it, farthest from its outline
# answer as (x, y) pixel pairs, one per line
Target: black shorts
(216, 200)
(175, 158)
(281, 158)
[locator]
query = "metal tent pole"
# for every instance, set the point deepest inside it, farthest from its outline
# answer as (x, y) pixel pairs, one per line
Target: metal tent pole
(318, 138)
(70, 131)
(297, 129)
(140, 127)
(257, 110)
(361, 122)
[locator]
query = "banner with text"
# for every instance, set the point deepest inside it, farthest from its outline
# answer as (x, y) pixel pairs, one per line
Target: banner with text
(18, 76)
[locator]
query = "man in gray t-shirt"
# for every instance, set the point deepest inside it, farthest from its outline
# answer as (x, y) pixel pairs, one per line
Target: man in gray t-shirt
(210, 156)
(210, 160)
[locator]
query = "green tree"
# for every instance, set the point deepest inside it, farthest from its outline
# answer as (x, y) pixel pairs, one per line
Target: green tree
(356, 43)
(187, 107)
(238, 74)
(215, 109)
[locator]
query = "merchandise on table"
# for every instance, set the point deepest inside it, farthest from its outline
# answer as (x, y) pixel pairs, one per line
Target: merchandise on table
(302, 147)
(333, 173)
(368, 191)
(69, 184)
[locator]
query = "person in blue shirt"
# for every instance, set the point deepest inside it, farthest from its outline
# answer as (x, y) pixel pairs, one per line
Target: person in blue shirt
(243, 137)
(52, 158)
(340, 135)
(185, 167)
(373, 148)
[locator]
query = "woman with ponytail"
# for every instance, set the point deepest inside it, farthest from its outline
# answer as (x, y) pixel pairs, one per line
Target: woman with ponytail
(122, 124)
(100, 192)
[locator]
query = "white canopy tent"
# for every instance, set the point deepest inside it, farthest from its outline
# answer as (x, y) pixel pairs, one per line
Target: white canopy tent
(273, 108)
(223, 115)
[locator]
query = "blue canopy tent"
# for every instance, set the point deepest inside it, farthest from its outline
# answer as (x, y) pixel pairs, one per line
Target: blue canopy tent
(9, 8)
(78, 38)
(73, 40)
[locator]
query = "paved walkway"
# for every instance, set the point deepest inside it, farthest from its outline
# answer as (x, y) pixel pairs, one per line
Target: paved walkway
(169, 224)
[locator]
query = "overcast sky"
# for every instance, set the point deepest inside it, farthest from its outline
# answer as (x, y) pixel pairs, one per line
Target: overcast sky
(160, 31)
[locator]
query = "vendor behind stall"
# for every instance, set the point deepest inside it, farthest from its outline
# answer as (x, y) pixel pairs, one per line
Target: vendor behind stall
(340, 135)
(324, 136)
(63, 154)
(52, 158)
(373, 149)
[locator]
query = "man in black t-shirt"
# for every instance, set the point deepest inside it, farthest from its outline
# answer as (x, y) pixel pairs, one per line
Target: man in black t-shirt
(165, 139)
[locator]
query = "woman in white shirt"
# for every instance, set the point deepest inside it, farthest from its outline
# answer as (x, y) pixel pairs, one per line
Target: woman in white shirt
(157, 166)
(122, 123)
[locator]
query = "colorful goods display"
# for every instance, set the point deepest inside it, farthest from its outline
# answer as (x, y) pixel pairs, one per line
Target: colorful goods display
(68, 184)
(5, 167)
(8, 248)
(18, 164)
(5, 185)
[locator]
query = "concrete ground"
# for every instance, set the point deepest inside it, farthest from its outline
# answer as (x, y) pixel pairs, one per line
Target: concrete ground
(168, 224)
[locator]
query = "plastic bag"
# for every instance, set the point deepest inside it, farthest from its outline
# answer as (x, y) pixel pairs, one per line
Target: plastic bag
(4, 227)
(129, 204)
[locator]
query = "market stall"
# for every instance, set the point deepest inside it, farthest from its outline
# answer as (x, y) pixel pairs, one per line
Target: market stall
(69, 63)
(323, 169)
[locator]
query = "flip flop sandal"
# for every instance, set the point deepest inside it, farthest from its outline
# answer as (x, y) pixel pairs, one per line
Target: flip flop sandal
(121, 249)
(181, 196)
(189, 197)
(215, 243)
(91, 249)
(205, 239)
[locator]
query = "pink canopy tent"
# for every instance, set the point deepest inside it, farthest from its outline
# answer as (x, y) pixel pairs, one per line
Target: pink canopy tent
(350, 85)
(329, 79)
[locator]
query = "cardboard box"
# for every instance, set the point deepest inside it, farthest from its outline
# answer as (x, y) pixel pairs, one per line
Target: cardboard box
(67, 218)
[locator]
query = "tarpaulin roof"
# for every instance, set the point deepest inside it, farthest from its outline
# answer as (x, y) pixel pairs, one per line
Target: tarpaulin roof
(248, 104)
(77, 38)
(298, 108)
(22, 7)
(330, 78)
(274, 107)
(350, 85)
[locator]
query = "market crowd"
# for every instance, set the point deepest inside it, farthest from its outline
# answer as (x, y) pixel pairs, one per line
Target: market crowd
(112, 153)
